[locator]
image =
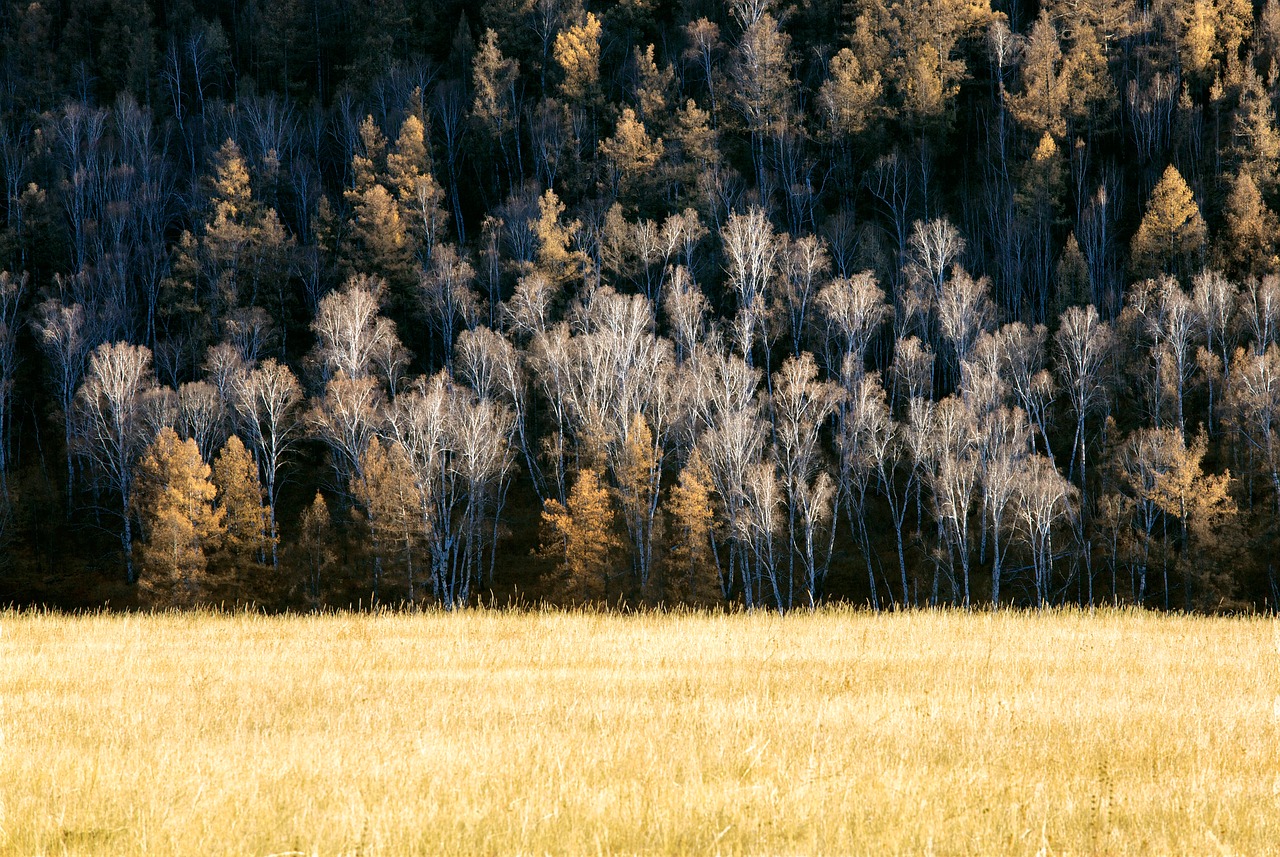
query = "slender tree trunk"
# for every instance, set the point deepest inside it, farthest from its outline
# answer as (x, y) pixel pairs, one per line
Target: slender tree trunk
(126, 542)
(860, 528)
(995, 563)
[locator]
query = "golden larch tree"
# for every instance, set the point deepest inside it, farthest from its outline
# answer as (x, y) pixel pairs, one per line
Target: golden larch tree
(1212, 33)
(850, 97)
(582, 537)
(378, 240)
(249, 540)
(369, 162)
(693, 576)
(631, 154)
(393, 511)
(1090, 88)
(554, 259)
(174, 502)
(637, 467)
(241, 256)
(653, 88)
(419, 195)
(1202, 505)
(577, 51)
(1247, 242)
(493, 80)
(1040, 106)
(315, 552)
(1255, 141)
(1172, 232)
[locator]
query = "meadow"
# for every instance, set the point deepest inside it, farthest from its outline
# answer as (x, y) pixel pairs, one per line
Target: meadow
(836, 732)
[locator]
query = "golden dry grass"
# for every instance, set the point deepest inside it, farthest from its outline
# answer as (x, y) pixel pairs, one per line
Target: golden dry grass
(488, 733)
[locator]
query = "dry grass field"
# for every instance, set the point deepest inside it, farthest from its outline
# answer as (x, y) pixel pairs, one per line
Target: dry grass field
(834, 733)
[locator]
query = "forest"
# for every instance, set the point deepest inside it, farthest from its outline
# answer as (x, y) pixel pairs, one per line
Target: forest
(339, 303)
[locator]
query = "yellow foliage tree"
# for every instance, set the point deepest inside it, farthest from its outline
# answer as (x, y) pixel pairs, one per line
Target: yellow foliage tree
(850, 96)
(1202, 504)
(409, 159)
(653, 86)
(420, 196)
(1040, 106)
(577, 51)
(174, 502)
(1255, 142)
(315, 546)
(554, 258)
(631, 154)
(242, 250)
(637, 468)
(493, 80)
(582, 537)
(1090, 88)
(232, 197)
(379, 242)
(393, 512)
(366, 165)
(249, 540)
(1198, 37)
(919, 44)
(697, 154)
(1247, 243)
(692, 574)
(1172, 232)
(1212, 33)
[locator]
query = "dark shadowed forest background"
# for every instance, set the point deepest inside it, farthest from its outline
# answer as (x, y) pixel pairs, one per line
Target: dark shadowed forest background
(334, 302)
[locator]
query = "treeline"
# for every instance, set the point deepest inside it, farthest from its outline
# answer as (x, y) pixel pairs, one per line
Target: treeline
(320, 302)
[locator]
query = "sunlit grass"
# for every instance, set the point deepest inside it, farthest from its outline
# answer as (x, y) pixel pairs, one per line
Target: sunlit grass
(500, 733)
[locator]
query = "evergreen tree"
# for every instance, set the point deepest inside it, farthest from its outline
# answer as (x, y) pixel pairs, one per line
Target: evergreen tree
(577, 52)
(1172, 233)
(693, 574)
(394, 514)
(1255, 141)
(249, 542)
(582, 538)
(315, 547)
(1247, 242)
(180, 523)
(1040, 106)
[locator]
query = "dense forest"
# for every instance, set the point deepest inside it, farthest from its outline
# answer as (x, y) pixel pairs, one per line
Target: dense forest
(317, 303)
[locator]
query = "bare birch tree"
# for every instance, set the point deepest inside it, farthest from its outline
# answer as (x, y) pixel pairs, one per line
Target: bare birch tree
(112, 424)
(854, 308)
(751, 251)
(200, 417)
(1002, 447)
(802, 405)
(1084, 345)
(1044, 500)
(11, 291)
(60, 331)
(352, 338)
(268, 402)
(806, 265)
